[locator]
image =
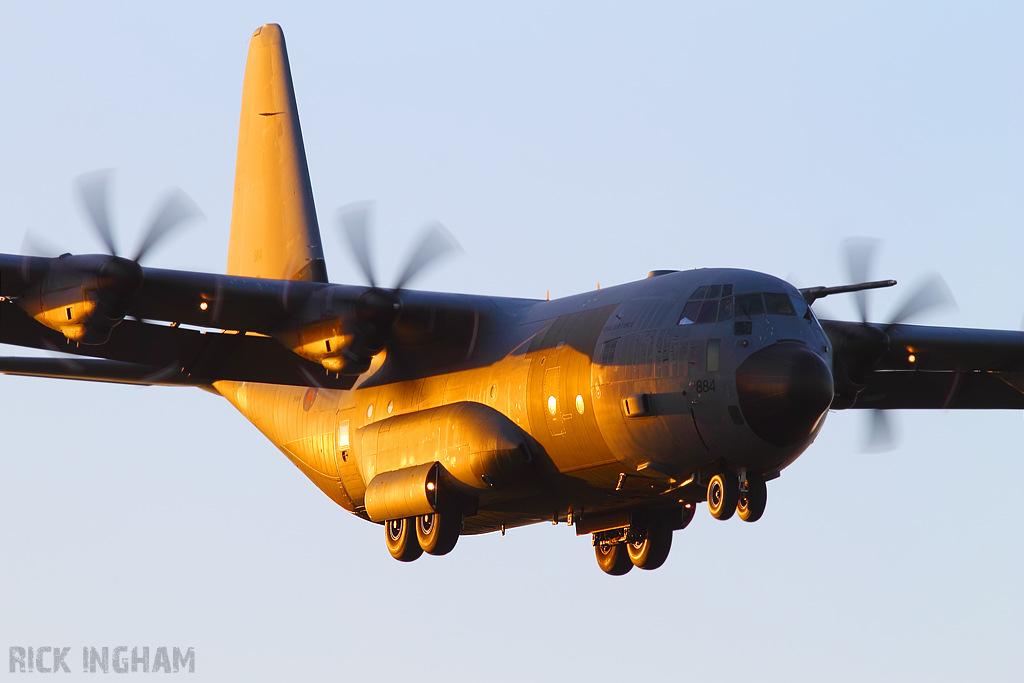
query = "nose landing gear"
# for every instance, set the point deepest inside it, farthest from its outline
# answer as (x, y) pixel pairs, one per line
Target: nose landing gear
(723, 493)
(729, 493)
(752, 502)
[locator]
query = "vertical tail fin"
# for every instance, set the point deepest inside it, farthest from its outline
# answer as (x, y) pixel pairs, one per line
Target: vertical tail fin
(274, 231)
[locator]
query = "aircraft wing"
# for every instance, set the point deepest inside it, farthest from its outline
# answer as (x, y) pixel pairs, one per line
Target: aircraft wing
(164, 355)
(952, 368)
(242, 320)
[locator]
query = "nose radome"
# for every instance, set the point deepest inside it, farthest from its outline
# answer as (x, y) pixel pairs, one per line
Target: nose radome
(783, 390)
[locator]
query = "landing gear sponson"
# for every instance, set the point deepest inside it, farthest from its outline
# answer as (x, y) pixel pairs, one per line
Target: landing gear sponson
(645, 542)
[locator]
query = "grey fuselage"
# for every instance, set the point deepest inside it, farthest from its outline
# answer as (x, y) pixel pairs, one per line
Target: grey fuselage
(623, 403)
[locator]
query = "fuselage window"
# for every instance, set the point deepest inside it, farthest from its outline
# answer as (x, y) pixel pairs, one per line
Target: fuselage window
(608, 352)
(778, 304)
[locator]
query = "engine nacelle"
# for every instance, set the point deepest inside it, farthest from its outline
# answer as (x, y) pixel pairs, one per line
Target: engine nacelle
(83, 297)
(341, 334)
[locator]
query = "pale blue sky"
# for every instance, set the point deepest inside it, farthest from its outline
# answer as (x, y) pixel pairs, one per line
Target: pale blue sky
(563, 146)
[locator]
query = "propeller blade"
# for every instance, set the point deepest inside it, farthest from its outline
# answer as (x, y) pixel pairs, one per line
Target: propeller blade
(933, 293)
(94, 189)
(33, 245)
(860, 252)
(176, 209)
(355, 220)
(881, 434)
(436, 242)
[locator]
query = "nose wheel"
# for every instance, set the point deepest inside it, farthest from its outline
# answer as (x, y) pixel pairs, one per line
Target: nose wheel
(723, 493)
(752, 502)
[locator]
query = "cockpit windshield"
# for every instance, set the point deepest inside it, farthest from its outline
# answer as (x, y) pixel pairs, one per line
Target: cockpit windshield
(716, 303)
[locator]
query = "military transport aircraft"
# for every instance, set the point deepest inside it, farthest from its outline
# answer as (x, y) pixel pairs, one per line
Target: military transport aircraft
(437, 415)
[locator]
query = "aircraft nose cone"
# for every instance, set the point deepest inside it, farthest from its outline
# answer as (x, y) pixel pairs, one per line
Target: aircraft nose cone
(783, 390)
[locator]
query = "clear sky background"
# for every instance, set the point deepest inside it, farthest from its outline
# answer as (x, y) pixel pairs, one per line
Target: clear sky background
(564, 146)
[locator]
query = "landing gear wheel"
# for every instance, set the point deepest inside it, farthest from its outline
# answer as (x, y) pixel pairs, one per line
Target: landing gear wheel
(401, 538)
(651, 550)
(612, 559)
(438, 532)
(750, 505)
(722, 494)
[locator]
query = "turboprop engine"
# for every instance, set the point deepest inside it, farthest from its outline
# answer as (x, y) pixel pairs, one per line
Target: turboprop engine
(342, 334)
(83, 297)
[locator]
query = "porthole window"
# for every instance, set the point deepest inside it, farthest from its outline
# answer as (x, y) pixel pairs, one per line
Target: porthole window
(494, 390)
(369, 411)
(552, 405)
(579, 404)
(391, 407)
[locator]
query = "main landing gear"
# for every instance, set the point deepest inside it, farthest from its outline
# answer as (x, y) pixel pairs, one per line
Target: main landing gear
(645, 543)
(727, 494)
(436, 534)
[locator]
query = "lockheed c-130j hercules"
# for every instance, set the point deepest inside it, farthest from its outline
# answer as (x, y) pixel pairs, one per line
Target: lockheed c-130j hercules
(439, 415)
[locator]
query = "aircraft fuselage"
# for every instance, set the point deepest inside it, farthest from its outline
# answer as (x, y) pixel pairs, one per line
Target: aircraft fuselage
(620, 393)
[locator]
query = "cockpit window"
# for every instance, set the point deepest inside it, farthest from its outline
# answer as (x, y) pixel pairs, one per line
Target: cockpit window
(691, 311)
(725, 308)
(749, 304)
(708, 312)
(704, 305)
(778, 304)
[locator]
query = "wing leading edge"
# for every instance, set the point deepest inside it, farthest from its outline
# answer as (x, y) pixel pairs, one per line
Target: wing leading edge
(943, 368)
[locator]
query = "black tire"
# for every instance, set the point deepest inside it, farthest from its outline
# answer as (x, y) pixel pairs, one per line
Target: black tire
(438, 532)
(612, 559)
(680, 518)
(401, 538)
(750, 505)
(723, 490)
(651, 549)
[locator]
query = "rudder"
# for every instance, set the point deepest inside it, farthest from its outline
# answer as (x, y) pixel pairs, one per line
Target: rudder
(274, 231)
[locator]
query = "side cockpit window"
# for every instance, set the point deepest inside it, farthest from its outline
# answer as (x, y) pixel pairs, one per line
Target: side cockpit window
(778, 304)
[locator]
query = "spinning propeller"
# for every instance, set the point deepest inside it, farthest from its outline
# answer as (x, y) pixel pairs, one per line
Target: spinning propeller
(378, 308)
(863, 346)
(85, 296)
(94, 190)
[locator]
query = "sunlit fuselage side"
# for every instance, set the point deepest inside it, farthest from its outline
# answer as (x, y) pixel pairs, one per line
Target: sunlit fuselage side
(564, 372)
